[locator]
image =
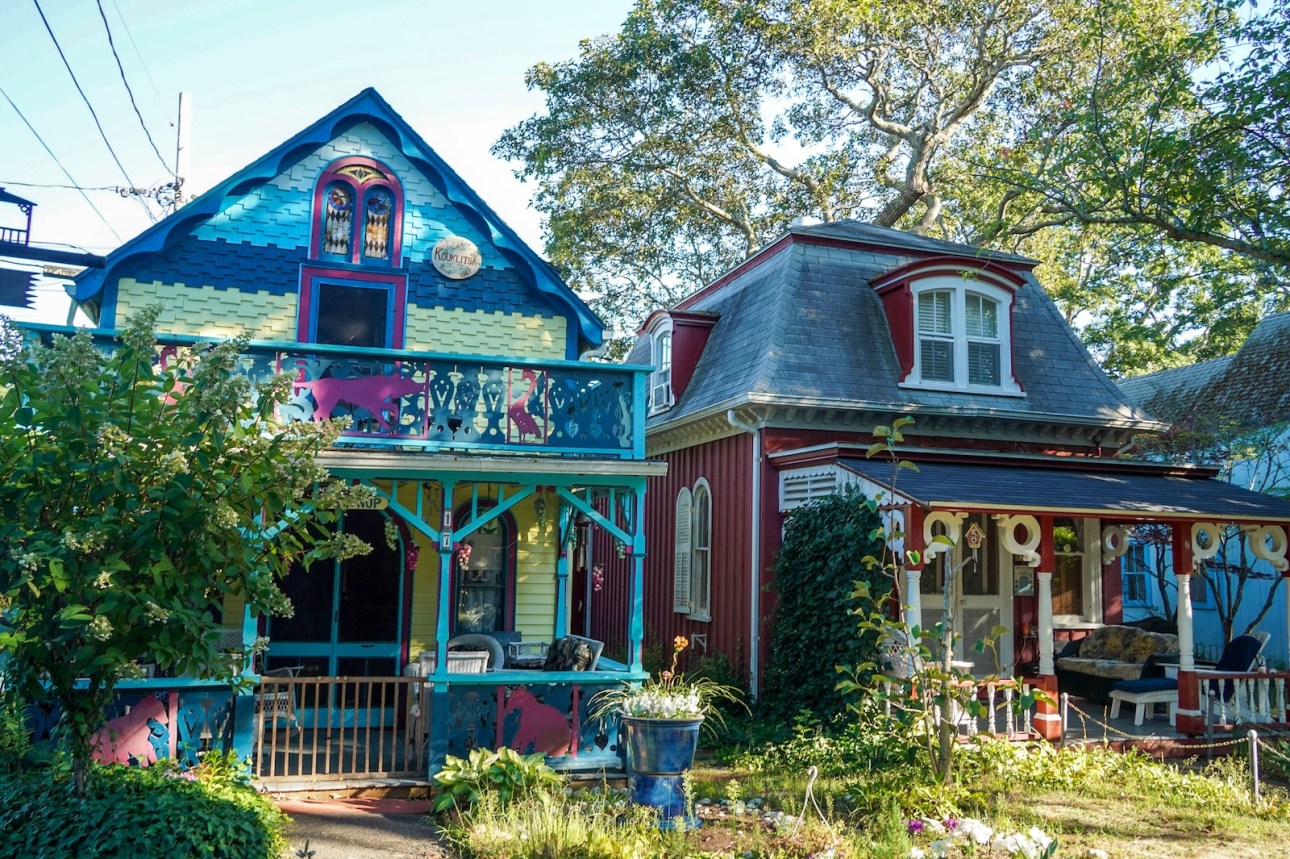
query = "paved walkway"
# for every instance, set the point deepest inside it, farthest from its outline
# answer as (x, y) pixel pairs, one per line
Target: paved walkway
(362, 829)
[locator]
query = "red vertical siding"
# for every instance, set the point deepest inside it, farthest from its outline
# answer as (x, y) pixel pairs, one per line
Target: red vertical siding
(726, 464)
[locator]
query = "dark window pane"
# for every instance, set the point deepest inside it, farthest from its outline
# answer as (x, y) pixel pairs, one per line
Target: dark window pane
(310, 591)
(983, 364)
(352, 316)
(937, 359)
(369, 584)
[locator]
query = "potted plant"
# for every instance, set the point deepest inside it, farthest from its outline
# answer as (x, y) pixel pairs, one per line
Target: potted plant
(660, 720)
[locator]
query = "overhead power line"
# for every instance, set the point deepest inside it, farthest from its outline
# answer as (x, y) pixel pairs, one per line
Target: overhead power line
(170, 120)
(75, 184)
(86, 99)
(121, 70)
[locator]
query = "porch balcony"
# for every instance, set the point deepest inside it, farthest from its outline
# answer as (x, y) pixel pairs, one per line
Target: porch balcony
(450, 402)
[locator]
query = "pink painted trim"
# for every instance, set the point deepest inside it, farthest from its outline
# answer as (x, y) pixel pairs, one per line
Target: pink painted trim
(397, 280)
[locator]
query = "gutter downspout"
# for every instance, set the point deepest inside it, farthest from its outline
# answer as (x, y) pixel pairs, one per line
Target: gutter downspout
(754, 574)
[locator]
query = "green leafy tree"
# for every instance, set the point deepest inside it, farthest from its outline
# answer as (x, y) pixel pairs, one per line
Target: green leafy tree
(134, 498)
(1137, 148)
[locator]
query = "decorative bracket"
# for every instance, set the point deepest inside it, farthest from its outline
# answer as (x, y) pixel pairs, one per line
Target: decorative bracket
(1008, 533)
(1115, 542)
(953, 523)
(1268, 543)
(1213, 539)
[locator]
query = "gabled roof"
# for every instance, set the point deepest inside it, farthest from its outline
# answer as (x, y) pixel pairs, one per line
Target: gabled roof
(367, 106)
(1250, 388)
(800, 325)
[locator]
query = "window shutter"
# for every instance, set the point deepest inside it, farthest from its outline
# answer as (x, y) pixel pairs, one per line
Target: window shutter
(934, 315)
(681, 555)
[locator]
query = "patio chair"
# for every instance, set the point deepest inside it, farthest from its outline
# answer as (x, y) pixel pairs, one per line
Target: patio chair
(280, 703)
(1239, 655)
(479, 641)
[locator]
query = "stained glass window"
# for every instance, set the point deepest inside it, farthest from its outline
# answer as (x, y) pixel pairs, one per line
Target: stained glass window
(376, 225)
(338, 220)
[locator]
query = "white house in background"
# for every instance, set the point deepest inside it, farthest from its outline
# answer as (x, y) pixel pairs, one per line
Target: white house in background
(1248, 395)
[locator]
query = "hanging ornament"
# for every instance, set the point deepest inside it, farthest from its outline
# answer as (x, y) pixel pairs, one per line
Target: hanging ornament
(539, 505)
(620, 548)
(598, 577)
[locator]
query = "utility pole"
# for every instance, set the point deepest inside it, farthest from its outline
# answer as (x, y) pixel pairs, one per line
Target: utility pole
(181, 146)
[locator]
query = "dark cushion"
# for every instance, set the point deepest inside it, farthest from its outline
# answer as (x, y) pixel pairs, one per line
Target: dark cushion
(1146, 684)
(568, 654)
(1239, 654)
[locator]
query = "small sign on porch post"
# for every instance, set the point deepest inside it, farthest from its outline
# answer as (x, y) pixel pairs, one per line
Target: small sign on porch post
(445, 532)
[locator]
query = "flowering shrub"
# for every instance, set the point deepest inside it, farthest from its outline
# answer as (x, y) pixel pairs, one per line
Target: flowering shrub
(971, 837)
(671, 696)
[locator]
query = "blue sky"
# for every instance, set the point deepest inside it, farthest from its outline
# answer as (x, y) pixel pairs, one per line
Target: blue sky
(258, 71)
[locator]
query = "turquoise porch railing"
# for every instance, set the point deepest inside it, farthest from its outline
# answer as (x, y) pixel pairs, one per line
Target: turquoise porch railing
(438, 401)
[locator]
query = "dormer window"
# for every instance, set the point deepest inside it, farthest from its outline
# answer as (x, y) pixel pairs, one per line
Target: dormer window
(660, 381)
(952, 326)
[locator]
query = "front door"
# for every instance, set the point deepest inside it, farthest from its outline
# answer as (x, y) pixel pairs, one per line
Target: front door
(980, 597)
(348, 619)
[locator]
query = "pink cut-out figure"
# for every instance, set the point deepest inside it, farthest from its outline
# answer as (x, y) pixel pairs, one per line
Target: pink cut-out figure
(518, 409)
(541, 725)
(377, 394)
(130, 736)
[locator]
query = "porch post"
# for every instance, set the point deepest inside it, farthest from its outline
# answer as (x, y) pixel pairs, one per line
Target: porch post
(636, 628)
(564, 523)
(1048, 719)
(1045, 607)
(1044, 583)
(912, 599)
(437, 747)
(1189, 719)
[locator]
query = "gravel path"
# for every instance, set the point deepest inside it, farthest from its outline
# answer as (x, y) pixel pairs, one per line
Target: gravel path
(353, 829)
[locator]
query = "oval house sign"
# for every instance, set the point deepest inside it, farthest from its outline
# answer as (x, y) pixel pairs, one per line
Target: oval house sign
(455, 257)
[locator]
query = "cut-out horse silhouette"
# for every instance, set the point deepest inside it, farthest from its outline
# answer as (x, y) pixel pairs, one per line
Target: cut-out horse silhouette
(130, 736)
(376, 394)
(541, 725)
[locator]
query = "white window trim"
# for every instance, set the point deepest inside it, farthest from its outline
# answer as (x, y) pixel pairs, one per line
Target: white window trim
(660, 378)
(700, 612)
(959, 287)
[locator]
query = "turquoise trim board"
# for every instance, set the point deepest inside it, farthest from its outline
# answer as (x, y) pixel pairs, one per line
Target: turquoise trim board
(367, 106)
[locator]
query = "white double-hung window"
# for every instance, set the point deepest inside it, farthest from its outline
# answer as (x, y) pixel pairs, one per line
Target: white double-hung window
(660, 381)
(962, 336)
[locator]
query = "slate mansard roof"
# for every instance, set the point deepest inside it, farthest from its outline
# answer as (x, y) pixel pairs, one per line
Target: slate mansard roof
(1250, 388)
(800, 324)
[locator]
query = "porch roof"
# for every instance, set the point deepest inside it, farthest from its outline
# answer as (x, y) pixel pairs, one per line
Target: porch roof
(1142, 492)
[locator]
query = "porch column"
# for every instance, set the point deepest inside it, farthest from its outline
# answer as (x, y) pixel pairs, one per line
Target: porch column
(912, 599)
(1044, 581)
(564, 524)
(1189, 719)
(1044, 590)
(437, 747)
(636, 628)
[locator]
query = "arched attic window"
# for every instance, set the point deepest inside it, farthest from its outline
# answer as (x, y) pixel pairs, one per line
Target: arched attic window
(952, 328)
(358, 214)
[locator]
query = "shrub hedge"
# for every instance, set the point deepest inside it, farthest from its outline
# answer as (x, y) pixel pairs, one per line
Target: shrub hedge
(134, 811)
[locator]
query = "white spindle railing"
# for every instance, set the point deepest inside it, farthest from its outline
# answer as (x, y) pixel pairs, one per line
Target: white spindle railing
(1255, 697)
(1002, 716)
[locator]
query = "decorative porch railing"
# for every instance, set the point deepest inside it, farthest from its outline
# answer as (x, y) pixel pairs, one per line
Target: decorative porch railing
(312, 729)
(1228, 697)
(336, 729)
(1001, 714)
(439, 401)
